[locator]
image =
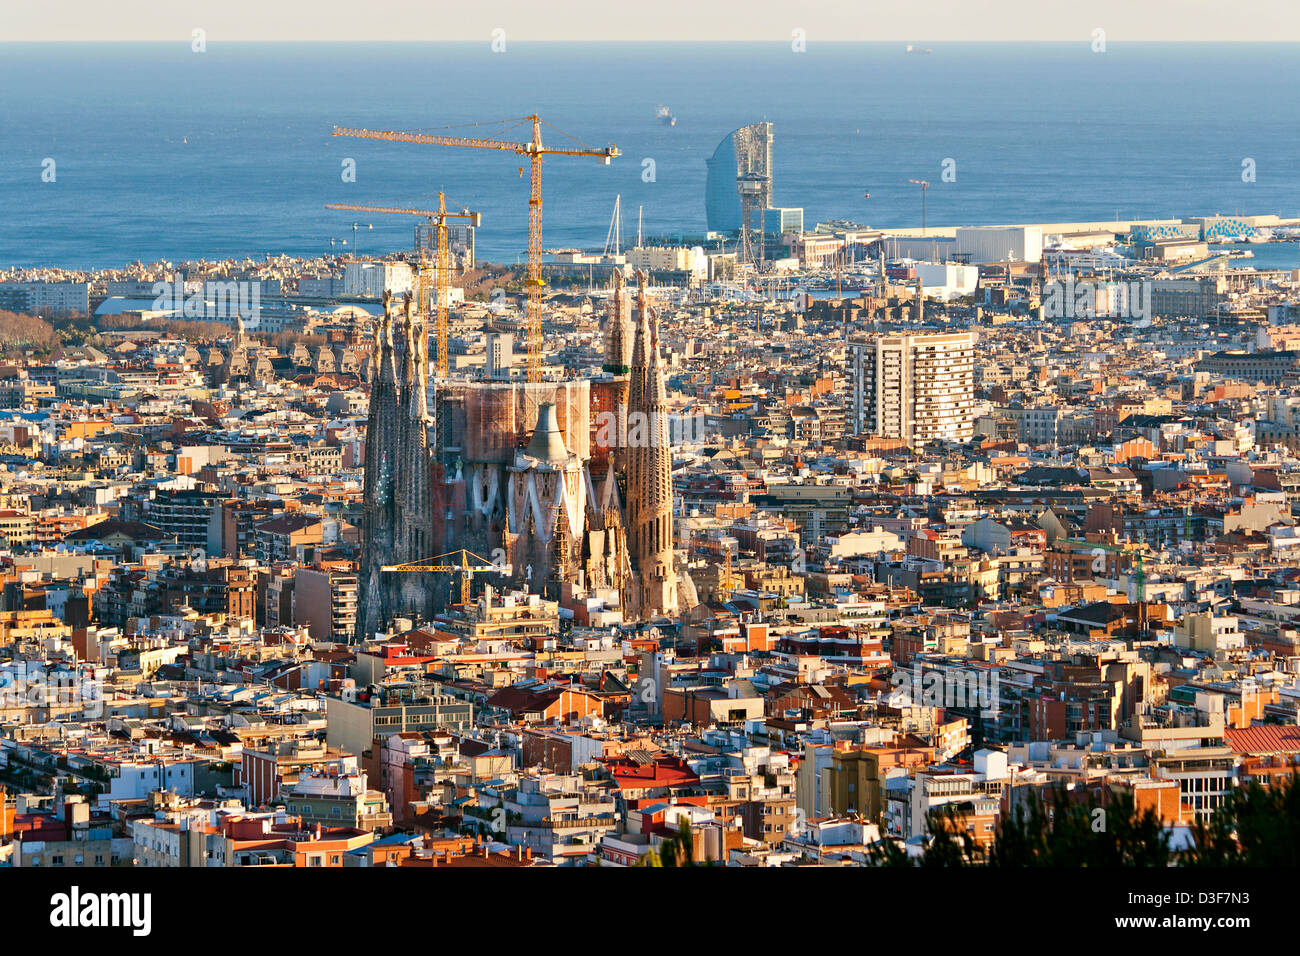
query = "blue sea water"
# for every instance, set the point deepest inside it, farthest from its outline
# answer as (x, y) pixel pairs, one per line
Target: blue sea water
(163, 153)
(1269, 255)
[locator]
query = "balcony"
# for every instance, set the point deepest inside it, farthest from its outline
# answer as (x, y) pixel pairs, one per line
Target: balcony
(569, 823)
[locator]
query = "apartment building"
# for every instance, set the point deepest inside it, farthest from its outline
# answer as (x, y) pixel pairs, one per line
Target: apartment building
(560, 817)
(337, 795)
(62, 298)
(325, 599)
(356, 718)
(1189, 747)
(16, 528)
(917, 388)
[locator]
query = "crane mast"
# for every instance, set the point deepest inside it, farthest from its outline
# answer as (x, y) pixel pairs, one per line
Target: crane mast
(442, 271)
(535, 151)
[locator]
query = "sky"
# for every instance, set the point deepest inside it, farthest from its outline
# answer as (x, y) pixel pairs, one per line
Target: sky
(649, 20)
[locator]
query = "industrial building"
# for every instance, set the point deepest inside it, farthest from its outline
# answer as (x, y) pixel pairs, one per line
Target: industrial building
(984, 244)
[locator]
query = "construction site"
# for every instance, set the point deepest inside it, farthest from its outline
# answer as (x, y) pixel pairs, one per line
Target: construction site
(507, 479)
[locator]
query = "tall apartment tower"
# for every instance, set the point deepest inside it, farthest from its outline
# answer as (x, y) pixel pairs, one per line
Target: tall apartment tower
(917, 388)
(499, 355)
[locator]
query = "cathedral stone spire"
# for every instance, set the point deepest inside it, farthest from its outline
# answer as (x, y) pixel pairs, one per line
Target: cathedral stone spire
(649, 473)
(397, 497)
(618, 330)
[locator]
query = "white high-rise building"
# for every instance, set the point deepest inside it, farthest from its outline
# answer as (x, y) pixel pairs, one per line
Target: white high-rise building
(374, 278)
(918, 388)
(61, 298)
(499, 356)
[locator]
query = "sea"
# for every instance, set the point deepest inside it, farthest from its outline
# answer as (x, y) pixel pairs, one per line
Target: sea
(111, 153)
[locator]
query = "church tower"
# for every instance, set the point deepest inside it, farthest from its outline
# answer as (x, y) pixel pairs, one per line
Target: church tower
(397, 505)
(649, 472)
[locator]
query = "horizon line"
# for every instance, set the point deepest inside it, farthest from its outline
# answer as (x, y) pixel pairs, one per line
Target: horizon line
(664, 42)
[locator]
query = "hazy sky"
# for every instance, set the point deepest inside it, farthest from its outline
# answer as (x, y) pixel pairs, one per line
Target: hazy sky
(663, 20)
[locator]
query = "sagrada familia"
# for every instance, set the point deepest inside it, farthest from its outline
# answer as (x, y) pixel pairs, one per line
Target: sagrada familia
(570, 481)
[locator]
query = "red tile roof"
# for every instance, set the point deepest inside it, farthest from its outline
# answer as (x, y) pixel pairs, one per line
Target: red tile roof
(1264, 739)
(661, 772)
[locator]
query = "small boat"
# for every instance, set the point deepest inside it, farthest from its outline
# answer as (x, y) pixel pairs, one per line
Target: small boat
(917, 49)
(664, 115)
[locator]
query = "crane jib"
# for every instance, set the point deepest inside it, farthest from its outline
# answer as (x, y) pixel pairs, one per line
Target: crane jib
(535, 152)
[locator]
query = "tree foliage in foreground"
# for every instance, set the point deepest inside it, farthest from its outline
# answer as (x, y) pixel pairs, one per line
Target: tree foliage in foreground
(1256, 826)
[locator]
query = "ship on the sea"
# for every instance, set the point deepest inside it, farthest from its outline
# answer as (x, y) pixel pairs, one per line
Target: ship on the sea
(917, 49)
(665, 115)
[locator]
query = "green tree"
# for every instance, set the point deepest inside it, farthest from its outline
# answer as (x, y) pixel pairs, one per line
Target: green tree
(680, 849)
(1073, 833)
(1052, 831)
(1255, 826)
(650, 860)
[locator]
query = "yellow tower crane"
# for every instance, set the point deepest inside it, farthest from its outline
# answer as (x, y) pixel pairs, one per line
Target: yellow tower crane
(442, 272)
(534, 150)
(452, 561)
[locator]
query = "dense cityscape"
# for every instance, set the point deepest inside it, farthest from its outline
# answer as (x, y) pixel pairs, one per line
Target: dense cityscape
(784, 552)
(789, 544)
